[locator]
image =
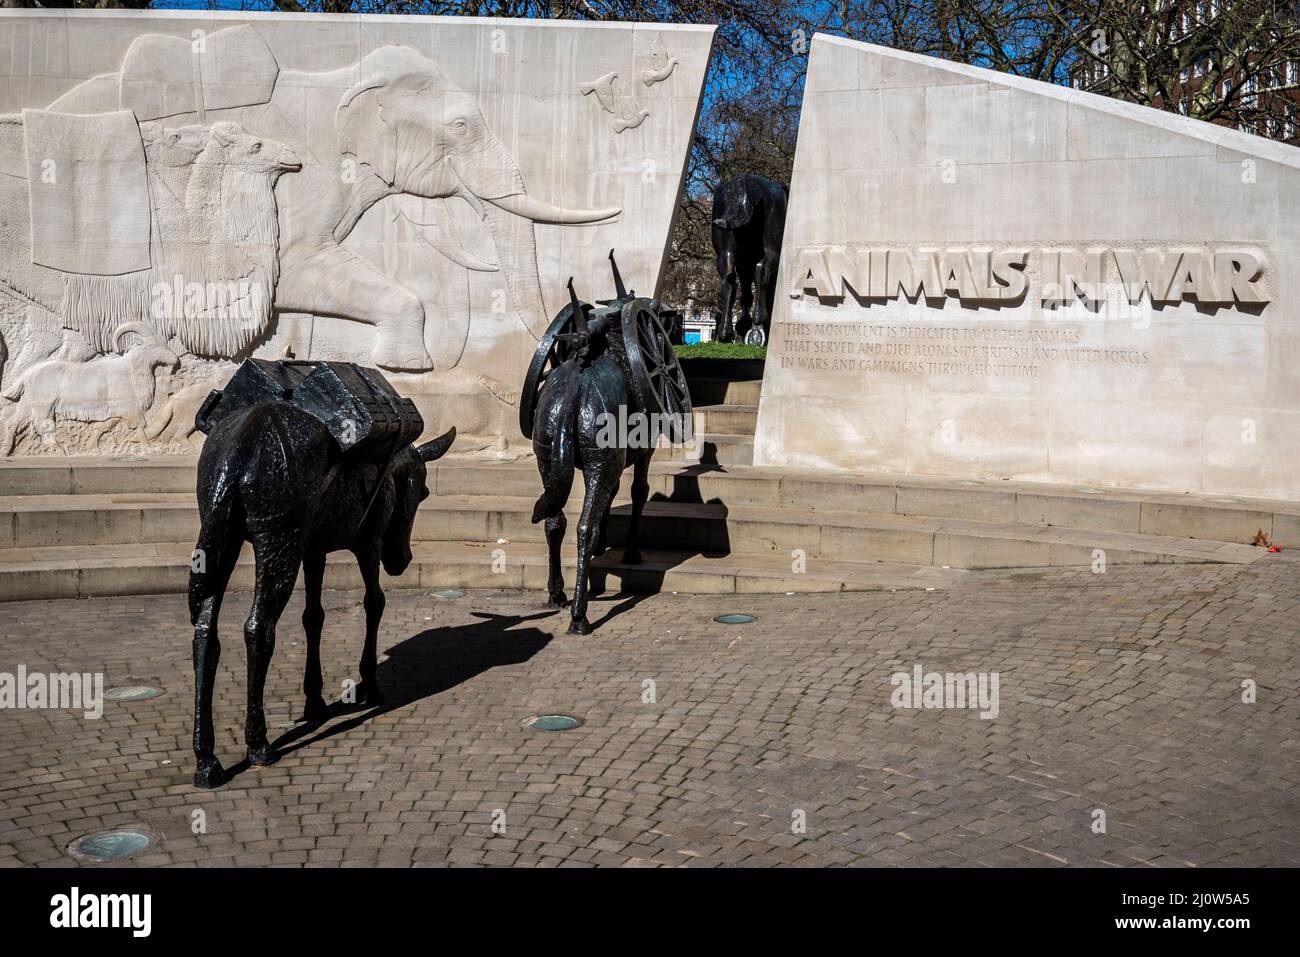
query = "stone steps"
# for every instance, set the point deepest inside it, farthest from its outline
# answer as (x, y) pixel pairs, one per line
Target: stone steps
(121, 527)
(163, 568)
(54, 520)
(727, 418)
(1216, 517)
(713, 448)
(829, 534)
(709, 391)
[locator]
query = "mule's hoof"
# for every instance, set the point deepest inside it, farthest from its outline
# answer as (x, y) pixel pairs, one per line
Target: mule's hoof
(369, 694)
(580, 626)
(262, 756)
(209, 775)
(632, 556)
(314, 711)
(557, 601)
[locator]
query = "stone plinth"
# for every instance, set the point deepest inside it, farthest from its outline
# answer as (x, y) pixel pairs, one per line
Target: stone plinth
(993, 278)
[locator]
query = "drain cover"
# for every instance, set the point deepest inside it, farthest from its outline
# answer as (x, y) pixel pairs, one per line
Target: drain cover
(113, 845)
(130, 458)
(132, 693)
(734, 619)
(449, 593)
(551, 722)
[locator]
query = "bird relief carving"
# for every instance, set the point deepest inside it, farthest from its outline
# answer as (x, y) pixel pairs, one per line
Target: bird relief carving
(616, 99)
(661, 65)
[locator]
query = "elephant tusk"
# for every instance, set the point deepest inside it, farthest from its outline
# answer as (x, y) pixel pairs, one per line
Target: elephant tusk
(457, 254)
(539, 212)
(465, 193)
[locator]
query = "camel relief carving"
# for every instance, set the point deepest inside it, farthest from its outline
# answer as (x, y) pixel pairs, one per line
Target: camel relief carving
(113, 226)
(400, 128)
(212, 192)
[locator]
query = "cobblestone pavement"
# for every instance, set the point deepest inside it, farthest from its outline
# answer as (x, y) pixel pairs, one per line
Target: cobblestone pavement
(1119, 692)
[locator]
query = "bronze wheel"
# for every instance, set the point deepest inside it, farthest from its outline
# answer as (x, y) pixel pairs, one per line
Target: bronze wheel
(551, 352)
(658, 382)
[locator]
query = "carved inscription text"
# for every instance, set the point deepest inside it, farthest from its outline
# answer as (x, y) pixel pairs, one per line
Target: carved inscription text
(1212, 277)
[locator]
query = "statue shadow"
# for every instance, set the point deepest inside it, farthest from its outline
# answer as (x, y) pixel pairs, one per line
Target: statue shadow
(668, 539)
(626, 600)
(421, 666)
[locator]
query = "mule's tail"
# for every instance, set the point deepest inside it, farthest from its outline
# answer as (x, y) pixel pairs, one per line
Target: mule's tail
(215, 552)
(221, 535)
(559, 480)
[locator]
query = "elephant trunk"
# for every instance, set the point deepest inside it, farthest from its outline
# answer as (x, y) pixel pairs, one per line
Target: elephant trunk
(517, 253)
(510, 220)
(493, 185)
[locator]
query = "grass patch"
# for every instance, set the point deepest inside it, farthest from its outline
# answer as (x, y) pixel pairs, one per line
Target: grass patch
(721, 350)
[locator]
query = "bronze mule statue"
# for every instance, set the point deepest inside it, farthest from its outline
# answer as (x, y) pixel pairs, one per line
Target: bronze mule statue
(603, 386)
(301, 459)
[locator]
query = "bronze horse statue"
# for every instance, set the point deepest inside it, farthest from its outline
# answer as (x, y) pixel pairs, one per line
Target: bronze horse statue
(748, 224)
(297, 484)
(584, 395)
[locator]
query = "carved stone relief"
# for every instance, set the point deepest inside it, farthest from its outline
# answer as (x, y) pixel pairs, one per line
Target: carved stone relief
(616, 99)
(661, 64)
(206, 201)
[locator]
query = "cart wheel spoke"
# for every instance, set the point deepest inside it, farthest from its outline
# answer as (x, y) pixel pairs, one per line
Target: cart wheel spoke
(551, 352)
(657, 380)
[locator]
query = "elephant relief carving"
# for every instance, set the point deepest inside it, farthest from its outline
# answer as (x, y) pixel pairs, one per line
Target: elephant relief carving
(400, 128)
(280, 190)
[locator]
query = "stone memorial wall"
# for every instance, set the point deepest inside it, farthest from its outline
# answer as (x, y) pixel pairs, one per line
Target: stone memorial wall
(994, 278)
(181, 191)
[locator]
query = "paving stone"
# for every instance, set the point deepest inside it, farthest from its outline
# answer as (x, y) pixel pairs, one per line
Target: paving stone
(1118, 692)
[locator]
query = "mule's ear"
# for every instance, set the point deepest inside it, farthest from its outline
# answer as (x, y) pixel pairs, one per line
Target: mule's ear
(435, 448)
